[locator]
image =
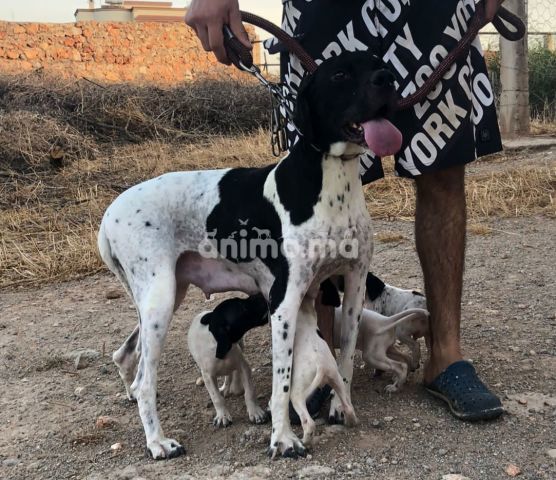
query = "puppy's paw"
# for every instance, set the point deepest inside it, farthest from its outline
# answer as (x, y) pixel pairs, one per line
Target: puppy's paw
(258, 416)
(222, 419)
(287, 445)
(392, 388)
(335, 414)
(165, 448)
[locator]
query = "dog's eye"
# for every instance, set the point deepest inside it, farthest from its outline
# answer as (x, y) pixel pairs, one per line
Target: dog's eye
(340, 76)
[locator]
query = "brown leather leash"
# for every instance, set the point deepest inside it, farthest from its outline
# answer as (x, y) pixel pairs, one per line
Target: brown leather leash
(241, 56)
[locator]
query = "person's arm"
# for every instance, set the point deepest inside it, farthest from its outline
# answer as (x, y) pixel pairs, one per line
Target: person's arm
(207, 18)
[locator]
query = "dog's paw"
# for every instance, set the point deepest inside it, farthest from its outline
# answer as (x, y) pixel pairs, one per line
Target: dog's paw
(164, 449)
(287, 445)
(222, 420)
(259, 416)
(350, 419)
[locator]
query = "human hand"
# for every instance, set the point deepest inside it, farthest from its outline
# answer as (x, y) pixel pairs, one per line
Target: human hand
(491, 7)
(207, 18)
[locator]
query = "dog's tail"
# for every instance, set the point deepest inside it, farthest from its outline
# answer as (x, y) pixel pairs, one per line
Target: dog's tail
(404, 316)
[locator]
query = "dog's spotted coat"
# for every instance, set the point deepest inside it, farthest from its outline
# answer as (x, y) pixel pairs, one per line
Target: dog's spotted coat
(151, 234)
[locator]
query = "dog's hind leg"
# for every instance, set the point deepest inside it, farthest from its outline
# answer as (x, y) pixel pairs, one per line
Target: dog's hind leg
(223, 417)
(415, 351)
(154, 292)
(126, 359)
(299, 398)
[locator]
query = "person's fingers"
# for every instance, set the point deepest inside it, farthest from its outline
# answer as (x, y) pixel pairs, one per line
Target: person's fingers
(203, 35)
(238, 29)
(216, 42)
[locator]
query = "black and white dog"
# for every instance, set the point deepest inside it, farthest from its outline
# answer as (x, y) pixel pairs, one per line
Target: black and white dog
(204, 228)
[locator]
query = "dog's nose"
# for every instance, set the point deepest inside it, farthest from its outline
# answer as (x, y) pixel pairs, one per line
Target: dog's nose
(382, 78)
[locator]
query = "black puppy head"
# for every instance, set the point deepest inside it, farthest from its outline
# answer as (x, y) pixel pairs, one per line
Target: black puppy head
(344, 92)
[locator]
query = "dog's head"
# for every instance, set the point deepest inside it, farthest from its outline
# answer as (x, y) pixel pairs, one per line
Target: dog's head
(345, 106)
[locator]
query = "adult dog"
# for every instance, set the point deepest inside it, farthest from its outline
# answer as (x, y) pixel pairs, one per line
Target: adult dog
(154, 235)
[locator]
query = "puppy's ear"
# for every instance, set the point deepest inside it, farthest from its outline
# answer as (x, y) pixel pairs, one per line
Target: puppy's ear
(375, 286)
(223, 345)
(207, 318)
(302, 114)
(330, 295)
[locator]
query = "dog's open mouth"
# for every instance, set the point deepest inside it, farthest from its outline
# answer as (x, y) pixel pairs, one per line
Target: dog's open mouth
(378, 134)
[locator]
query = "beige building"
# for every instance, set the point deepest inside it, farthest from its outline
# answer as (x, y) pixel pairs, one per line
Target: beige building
(130, 11)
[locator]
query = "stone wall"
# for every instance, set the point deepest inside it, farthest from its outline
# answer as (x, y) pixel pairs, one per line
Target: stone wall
(161, 53)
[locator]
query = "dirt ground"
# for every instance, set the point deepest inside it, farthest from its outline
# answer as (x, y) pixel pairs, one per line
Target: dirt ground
(48, 409)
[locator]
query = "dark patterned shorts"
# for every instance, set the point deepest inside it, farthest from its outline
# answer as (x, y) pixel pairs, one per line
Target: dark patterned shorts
(456, 123)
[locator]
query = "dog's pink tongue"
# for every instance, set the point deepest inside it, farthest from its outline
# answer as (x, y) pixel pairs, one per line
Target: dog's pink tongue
(382, 137)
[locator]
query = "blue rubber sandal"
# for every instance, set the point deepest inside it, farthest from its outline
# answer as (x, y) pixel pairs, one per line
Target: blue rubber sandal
(468, 398)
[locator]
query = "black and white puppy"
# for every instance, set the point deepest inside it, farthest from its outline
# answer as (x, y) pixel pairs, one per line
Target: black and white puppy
(388, 300)
(213, 343)
(255, 230)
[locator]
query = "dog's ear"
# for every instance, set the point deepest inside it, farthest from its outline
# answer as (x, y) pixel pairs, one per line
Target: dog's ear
(223, 346)
(302, 114)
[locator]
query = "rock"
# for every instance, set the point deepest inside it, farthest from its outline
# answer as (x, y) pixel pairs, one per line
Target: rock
(104, 421)
(369, 462)
(454, 476)
(257, 472)
(199, 382)
(376, 424)
(82, 358)
(513, 470)
(388, 419)
(315, 471)
(116, 446)
(442, 452)
(551, 453)
(80, 391)
(10, 462)
(113, 293)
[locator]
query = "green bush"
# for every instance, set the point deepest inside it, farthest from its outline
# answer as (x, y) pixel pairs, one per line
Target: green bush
(542, 81)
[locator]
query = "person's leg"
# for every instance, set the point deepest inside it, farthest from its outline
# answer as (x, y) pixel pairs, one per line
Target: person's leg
(440, 219)
(440, 237)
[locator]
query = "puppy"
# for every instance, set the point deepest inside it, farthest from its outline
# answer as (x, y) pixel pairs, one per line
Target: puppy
(389, 300)
(378, 333)
(314, 367)
(213, 343)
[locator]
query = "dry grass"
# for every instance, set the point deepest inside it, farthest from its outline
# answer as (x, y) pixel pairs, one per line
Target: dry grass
(479, 229)
(49, 218)
(389, 237)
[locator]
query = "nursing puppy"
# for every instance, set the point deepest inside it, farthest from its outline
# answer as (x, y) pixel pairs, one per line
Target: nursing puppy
(213, 343)
(389, 300)
(378, 333)
(314, 367)
(253, 230)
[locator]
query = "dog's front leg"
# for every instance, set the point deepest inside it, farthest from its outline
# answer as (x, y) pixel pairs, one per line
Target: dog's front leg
(283, 320)
(351, 317)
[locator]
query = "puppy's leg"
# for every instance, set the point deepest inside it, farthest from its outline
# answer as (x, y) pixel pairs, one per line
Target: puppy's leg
(351, 317)
(415, 351)
(379, 359)
(126, 359)
(256, 414)
(395, 354)
(223, 417)
(299, 402)
(233, 384)
(155, 298)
